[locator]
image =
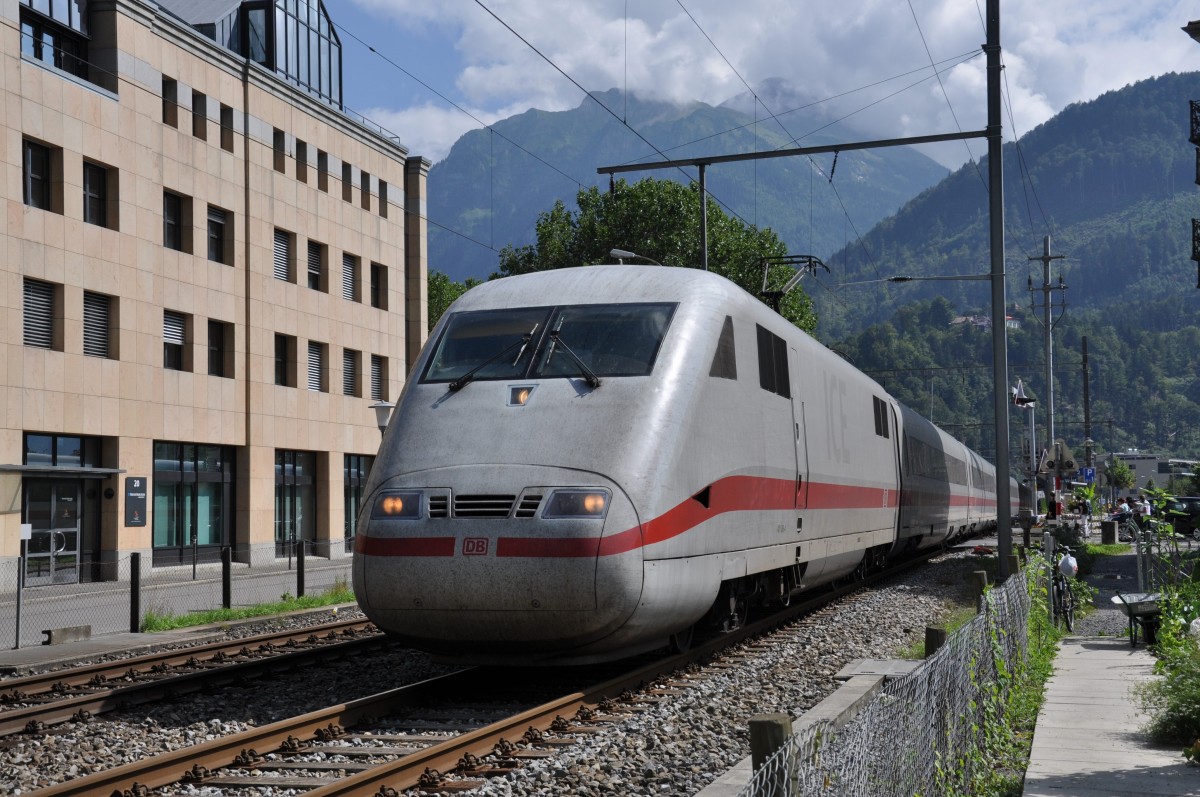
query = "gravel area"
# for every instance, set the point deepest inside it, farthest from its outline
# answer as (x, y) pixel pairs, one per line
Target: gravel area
(75, 749)
(679, 746)
(675, 747)
(1108, 574)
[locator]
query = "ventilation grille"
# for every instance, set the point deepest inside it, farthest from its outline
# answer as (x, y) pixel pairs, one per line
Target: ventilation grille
(528, 506)
(483, 505)
(439, 506)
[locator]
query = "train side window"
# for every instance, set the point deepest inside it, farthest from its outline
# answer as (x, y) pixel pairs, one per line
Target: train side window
(881, 418)
(724, 364)
(772, 363)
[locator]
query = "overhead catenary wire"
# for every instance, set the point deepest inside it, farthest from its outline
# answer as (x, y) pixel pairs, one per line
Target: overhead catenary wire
(935, 65)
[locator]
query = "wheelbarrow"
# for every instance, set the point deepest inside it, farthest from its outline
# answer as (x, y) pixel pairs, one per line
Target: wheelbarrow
(1142, 610)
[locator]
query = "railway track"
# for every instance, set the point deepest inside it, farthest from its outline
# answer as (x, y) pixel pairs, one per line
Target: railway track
(443, 734)
(35, 702)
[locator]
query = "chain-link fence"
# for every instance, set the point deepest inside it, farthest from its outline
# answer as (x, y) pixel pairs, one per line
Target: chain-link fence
(1161, 557)
(116, 595)
(916, 735)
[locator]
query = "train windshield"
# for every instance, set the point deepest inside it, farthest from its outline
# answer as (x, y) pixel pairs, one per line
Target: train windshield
(532, 342)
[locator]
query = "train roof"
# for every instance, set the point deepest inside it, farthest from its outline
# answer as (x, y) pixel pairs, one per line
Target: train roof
(603, 284)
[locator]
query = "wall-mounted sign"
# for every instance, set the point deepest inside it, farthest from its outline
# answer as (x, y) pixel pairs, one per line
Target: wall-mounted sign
(135, 501)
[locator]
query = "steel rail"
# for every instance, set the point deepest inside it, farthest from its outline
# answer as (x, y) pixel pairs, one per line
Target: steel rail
(405, 773)
(113, 695)
(80, 676)
(171, 767)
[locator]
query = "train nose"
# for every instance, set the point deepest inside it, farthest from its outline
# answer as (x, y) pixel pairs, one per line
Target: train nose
(447, 561)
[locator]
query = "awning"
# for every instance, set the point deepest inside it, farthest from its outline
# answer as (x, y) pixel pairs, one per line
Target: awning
(51, 472)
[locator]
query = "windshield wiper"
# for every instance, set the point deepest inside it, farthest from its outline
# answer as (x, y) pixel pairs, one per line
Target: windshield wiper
(556, 340)
(461, 382)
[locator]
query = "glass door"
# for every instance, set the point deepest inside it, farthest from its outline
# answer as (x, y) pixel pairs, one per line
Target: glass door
(52, 508)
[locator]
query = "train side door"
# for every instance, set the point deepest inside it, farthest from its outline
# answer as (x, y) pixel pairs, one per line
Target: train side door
(894, 420)
(798, 431)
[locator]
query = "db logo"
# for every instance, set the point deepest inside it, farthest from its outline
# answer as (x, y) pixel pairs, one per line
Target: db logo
(475, 546)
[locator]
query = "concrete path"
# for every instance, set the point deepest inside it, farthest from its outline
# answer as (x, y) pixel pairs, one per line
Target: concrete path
(1088, 741)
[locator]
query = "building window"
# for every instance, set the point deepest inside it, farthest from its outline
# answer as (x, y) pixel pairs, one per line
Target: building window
(177, 222)
(379, 378)
(323, 170)
(316, 266)
(219, 240)
(347, 182)
(38, 183)
(220, 348)
(41, 316)
(175, 353)
(356, 469)
(350, 286)
(364, 181)
(305, 49)
(301, 161)
(193, 501)
(383, 199)
(55, 39)
(379, 286)
(226, 128)
(285, 355)
(295, 499)
(62, 451)
(95, 194)
(283, 255)
(170, 102)
(316, 367)
(279, 145)
(199, 116)
(351, 365)
(97, 312)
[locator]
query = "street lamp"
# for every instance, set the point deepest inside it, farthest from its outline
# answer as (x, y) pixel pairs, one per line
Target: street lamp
(383, 411)
(1028, 515)
(622, 255)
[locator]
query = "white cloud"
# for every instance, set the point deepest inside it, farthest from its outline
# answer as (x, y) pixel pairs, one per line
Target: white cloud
(1056, 52)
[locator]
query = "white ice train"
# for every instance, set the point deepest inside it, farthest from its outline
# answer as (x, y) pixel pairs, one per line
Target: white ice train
(587, 463)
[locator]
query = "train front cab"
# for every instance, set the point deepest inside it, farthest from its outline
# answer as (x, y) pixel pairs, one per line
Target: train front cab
(553, 566)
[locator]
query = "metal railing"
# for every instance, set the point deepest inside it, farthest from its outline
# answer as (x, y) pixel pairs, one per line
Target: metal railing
(116, 595)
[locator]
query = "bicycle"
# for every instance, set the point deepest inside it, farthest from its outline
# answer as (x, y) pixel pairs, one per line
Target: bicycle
(1061, 596)
(1127, 528)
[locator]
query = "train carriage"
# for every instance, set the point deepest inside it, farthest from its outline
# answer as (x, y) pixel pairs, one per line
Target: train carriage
(589, 462)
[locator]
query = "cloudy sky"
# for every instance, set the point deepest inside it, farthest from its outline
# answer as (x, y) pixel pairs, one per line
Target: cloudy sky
(874, 56)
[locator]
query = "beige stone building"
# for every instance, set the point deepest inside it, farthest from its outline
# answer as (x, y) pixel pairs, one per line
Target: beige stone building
(210, 273)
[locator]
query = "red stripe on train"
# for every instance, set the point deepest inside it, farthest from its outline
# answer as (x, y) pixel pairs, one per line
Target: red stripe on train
(730, 494)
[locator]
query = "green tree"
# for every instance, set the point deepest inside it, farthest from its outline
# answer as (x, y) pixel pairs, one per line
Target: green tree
(442, 293)
(660, 220)
(1120, 475)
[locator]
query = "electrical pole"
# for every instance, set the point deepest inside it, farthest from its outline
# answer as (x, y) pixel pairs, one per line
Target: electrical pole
(1089, 445)
(1048, 332)
(995, 125)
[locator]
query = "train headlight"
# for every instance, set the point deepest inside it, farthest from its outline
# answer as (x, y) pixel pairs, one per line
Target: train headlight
(577, 503)
(397, 505)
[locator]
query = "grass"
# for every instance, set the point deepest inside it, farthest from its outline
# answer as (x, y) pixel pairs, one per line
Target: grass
(155, 621)
(955, 618)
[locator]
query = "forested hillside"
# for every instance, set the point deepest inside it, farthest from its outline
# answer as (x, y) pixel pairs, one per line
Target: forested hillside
(1113, 182)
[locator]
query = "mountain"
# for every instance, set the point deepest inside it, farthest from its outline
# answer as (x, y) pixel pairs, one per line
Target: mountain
(487, 193)
(1112, 181)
